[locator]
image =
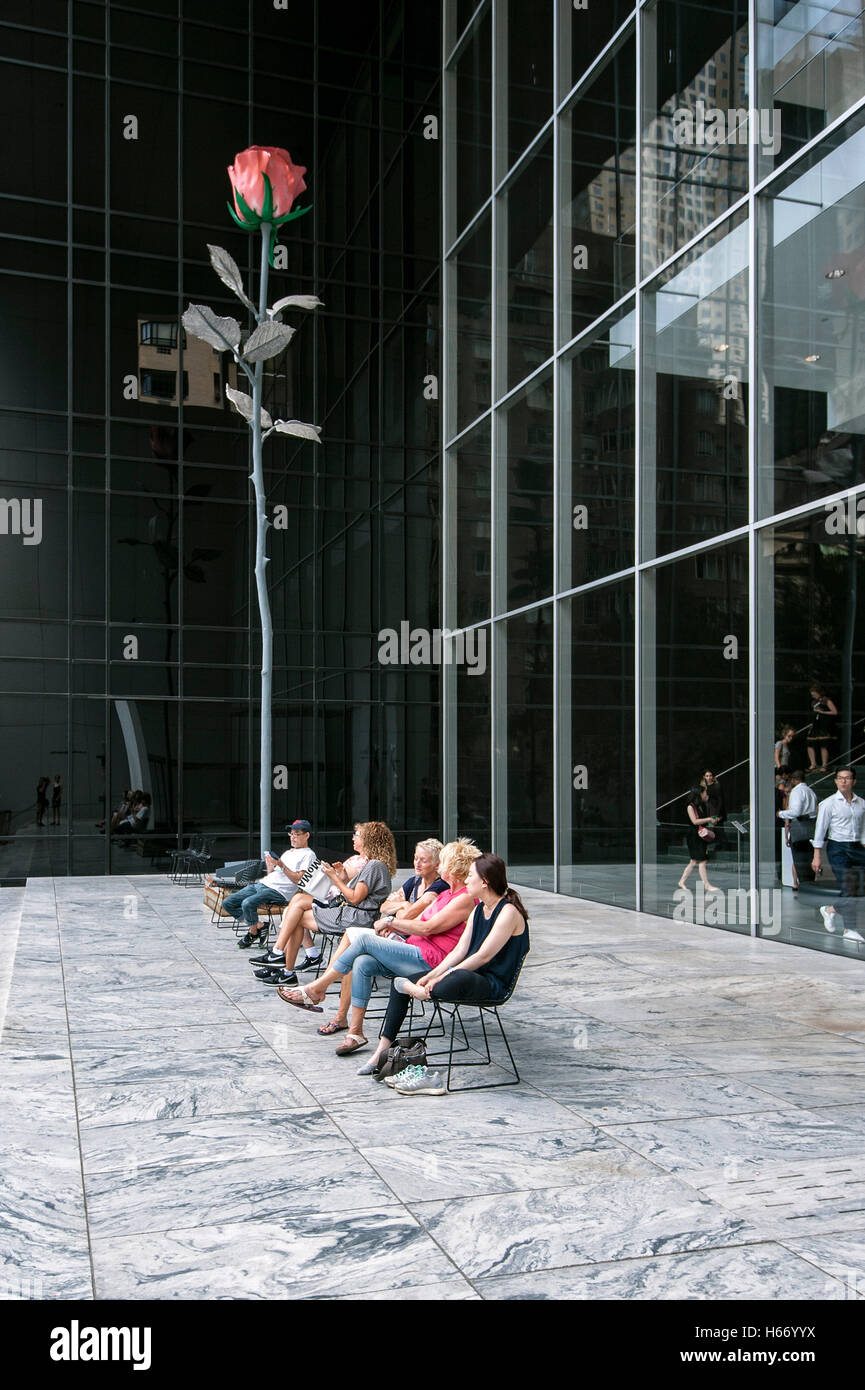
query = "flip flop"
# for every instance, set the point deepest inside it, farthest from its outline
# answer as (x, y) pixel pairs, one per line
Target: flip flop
(353, 1043)
(304, 1002)
(327, 1029)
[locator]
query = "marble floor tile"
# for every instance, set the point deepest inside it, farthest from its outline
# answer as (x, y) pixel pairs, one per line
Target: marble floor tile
(588, 1221)
(179, 1096)
(328, 1255)
(107, 974)
(811, 1195)
(244, 1139)
(165, 1042)
(445, 1166)
(649, 1009)
(124, 1008)
(131, 1068)
(516, 1110)
(327, 1177)
(668, 1097)
(567, 1076)
(814, 1086)
(840, 1255)
(753, 1272)
(447, 1290)
(743, 1143)
(740, 1028)
(811, 1049)
(37, 1264)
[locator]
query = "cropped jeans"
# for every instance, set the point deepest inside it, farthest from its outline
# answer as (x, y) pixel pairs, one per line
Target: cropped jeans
(378, 955)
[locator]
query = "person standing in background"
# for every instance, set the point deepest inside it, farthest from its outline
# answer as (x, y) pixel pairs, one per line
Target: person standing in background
(41, 800)
(822, 735)
(799, 818)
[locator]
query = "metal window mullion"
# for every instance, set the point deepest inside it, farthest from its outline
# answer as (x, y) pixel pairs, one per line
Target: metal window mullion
(638, 464)
(450, 727)
(753, 485)
(558, 705)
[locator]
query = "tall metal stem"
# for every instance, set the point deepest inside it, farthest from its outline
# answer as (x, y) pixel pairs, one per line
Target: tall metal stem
(261, 562)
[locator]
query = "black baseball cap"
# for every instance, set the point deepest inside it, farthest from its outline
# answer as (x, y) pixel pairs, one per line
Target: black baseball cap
(300, 825)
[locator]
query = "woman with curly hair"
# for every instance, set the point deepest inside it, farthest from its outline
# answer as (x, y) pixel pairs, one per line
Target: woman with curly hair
(354, 910)
(396, 947)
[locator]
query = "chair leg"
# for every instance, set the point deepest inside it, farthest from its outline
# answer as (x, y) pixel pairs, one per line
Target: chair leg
(486, 1061)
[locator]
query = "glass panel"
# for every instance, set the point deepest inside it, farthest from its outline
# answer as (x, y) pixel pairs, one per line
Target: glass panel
(811, 649)
(35, 749)
(473, 167)
(597, 491)
(530, 71)
(528, 761)
(813, 329)
(474, 527)
(696, 394)
(695, 721)
(811, 68)
(528, 423)
(473, 739)
(474, 326)
(33, 578)
(215, 776)
(530, 267)
(584, 33)
(597, 810)
(599, 190)
(695, 135)
(143, 759)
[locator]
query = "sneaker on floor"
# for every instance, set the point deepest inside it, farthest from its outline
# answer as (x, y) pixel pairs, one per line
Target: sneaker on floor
(277, 977)
(246, 941)
(424, 1082)
(308, 962)
(398, 1076)
(828, 914)
(851, 935)
(268, 958)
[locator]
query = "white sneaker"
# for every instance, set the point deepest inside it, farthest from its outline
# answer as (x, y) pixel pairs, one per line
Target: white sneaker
(828, 915)
(851, 935)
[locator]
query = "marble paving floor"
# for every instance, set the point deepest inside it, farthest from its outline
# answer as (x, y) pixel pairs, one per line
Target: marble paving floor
(689, 1122)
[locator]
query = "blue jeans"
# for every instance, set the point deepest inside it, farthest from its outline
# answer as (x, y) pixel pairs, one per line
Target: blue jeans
(370, 956)
(848, 866)
(246, 902)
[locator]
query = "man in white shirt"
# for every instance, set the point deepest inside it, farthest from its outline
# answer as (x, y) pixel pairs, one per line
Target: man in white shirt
(840, 828)
(799, 827)
(278, 885)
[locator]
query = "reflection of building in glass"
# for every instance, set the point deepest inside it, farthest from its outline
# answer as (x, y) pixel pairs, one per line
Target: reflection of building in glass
(203, 378)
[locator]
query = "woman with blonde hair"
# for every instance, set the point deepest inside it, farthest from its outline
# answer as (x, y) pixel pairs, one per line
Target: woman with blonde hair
(355, 909)
(388, 952)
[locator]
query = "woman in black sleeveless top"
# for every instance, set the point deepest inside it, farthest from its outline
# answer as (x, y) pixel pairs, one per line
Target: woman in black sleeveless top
(481, 967)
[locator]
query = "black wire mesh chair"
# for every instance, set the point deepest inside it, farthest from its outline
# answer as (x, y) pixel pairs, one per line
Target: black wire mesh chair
(196, 862)
(485, 1009)
(180, 857)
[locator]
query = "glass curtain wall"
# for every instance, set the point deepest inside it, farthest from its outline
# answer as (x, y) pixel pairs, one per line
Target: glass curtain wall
(130, 656)
(660, 458)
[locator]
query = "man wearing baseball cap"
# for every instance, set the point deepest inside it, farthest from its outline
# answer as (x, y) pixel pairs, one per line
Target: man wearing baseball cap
(278, 885)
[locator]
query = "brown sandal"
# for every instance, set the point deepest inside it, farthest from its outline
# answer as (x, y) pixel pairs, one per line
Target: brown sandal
(327, 1029)
(353, 1043)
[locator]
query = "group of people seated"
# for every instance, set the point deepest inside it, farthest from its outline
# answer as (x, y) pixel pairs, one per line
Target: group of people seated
(131, 815)
(454, 932)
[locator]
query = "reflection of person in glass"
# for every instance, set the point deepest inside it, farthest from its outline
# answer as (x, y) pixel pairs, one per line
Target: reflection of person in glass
(799, 820)
(699, 818)
(717, 806)
(56, 799)
(783, 748)
(41, 799)
(841, 829)
(822, 734)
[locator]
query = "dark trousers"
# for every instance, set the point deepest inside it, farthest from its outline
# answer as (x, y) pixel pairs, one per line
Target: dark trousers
(459, 987)
(848, 866)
